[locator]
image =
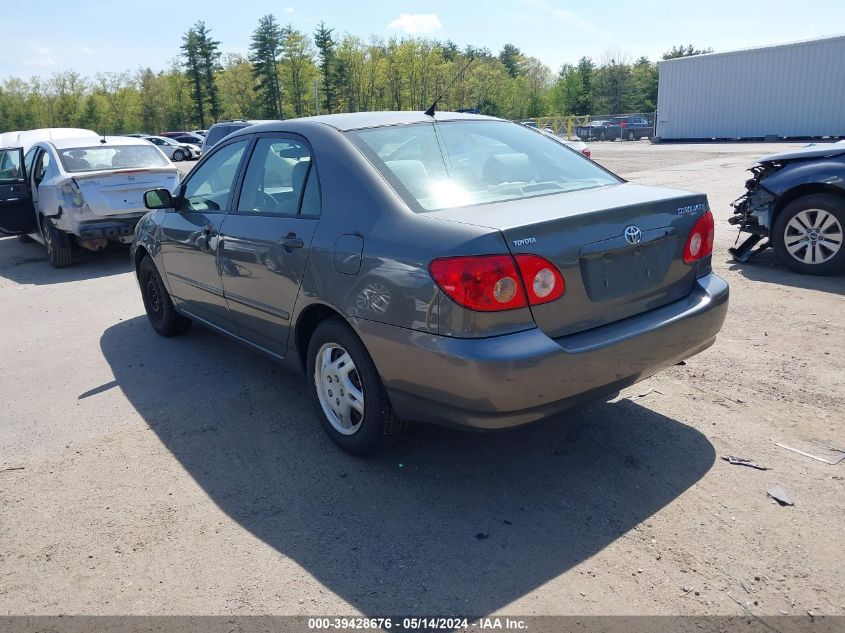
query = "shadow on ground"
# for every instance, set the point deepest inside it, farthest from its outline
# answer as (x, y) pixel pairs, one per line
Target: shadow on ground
(447, 522)
(27, 263)
(765, 268)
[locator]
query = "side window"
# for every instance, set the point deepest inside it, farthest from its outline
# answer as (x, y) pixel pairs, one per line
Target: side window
(209, 185)
(42, 163)
(275, 180)
(29, 159)
(11, 167)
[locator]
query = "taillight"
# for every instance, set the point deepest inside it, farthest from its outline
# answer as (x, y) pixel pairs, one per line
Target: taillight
(700, 240)
(586, 152)
(71, 195)
(490, 283)
(543, 281)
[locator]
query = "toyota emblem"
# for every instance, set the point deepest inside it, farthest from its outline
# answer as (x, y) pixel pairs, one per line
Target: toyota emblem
(633, 234)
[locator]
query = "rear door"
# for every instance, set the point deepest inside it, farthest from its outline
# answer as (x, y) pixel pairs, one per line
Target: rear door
(17, 213)
(190, 236)
(266, 238)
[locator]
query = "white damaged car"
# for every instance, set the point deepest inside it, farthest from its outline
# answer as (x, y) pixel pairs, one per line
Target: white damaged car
(84, 192)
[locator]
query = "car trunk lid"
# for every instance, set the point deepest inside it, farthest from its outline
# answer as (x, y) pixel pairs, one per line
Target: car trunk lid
(120, 192)
(608, 278)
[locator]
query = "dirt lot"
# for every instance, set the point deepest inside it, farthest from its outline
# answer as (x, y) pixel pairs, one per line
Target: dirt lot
(150, 476)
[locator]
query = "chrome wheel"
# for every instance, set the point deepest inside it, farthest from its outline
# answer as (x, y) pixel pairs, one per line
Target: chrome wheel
(813, 236)
(339, 388)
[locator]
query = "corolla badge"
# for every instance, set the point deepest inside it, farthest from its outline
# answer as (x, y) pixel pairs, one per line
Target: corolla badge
(691, 209)
(633, 234)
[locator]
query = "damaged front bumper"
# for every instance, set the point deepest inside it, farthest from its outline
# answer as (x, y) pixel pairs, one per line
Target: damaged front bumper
(753, 214)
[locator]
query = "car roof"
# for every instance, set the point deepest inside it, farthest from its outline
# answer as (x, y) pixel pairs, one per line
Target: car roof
(96, 141)
(359, 120)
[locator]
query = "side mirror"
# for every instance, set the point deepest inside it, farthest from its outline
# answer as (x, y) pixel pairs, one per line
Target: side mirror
(158, 199)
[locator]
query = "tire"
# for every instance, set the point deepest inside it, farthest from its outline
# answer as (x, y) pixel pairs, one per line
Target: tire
(160, 309)
(798, 241)
(25, 239)
(632, 136)
(356, 432)
(178, 155)
(57, 243)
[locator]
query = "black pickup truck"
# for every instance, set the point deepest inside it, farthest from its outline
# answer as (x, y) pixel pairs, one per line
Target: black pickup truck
(629, 128)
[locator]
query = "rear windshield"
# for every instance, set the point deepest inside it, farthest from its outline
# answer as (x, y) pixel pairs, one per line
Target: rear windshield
(80, 159)
(460, 163)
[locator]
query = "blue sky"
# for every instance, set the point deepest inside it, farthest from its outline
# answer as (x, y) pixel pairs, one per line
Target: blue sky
(41, 37)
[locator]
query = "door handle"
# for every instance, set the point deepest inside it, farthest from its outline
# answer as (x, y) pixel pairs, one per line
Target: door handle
(291, 241)
(208, 232)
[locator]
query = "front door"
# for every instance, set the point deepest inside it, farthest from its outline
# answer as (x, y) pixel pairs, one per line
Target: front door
(190, 236)
(17, 214)
(266, 239)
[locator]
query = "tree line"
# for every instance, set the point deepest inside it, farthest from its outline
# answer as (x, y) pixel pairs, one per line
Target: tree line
(290, 73)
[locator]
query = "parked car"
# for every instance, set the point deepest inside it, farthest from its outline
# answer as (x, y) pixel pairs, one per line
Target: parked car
(27, 138)
(796, 202)
(219, 130)
(188, 137)
(629, 128)
(524, 280)
(199, 132)
(78, 193)
(592, 131)
(578, 146)
(174, 150)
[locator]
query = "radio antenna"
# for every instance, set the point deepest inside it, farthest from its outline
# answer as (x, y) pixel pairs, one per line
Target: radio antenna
(430, 111)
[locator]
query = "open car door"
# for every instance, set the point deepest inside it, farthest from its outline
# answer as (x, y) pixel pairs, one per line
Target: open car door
(17, 214)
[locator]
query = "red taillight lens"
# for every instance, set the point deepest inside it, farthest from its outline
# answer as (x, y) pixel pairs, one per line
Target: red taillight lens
(490, 283)
(486, 283)
(700, 240)
(543, 281)
(586, 152)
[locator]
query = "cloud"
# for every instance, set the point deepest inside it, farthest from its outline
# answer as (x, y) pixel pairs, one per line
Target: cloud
(82, 50)
(568, 18)
(416, 23)
(39, 57)
(289, 9)
(577, 22)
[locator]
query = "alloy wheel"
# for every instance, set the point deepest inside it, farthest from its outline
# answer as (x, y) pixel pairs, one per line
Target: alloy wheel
(339, 388)
(813, 236)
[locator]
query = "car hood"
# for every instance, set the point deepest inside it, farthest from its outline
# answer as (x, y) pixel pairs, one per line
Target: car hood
(823, 150)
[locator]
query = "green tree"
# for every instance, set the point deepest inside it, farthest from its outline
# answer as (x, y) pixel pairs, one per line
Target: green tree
(685, 51)
(194, 69)
(325, 44)
(511, 57)
(209, 56)
(296, 58)
(265, 50)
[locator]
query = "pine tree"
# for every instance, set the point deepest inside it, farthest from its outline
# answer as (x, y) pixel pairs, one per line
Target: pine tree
(209, 56)
(265, 50)
(328, 63)
(193, 68)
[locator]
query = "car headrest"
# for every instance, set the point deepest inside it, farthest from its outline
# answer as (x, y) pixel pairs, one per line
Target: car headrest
(300, 170)
(513, 167)
(412, 174)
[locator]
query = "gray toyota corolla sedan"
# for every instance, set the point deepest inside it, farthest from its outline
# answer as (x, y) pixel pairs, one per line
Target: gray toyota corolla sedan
(454, 268)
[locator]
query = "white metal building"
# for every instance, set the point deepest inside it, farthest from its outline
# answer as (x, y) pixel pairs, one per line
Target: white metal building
(790, 90)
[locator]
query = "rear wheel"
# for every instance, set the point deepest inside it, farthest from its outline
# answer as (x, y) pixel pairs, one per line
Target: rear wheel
(347, 393)
(160, 309)
(59, 248)
(808, 234)
(178, 155)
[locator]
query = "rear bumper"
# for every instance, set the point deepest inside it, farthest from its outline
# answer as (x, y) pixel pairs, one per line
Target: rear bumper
(110, 229)
(514, 379)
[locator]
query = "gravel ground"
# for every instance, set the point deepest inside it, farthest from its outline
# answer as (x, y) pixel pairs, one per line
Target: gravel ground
(187, 476)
